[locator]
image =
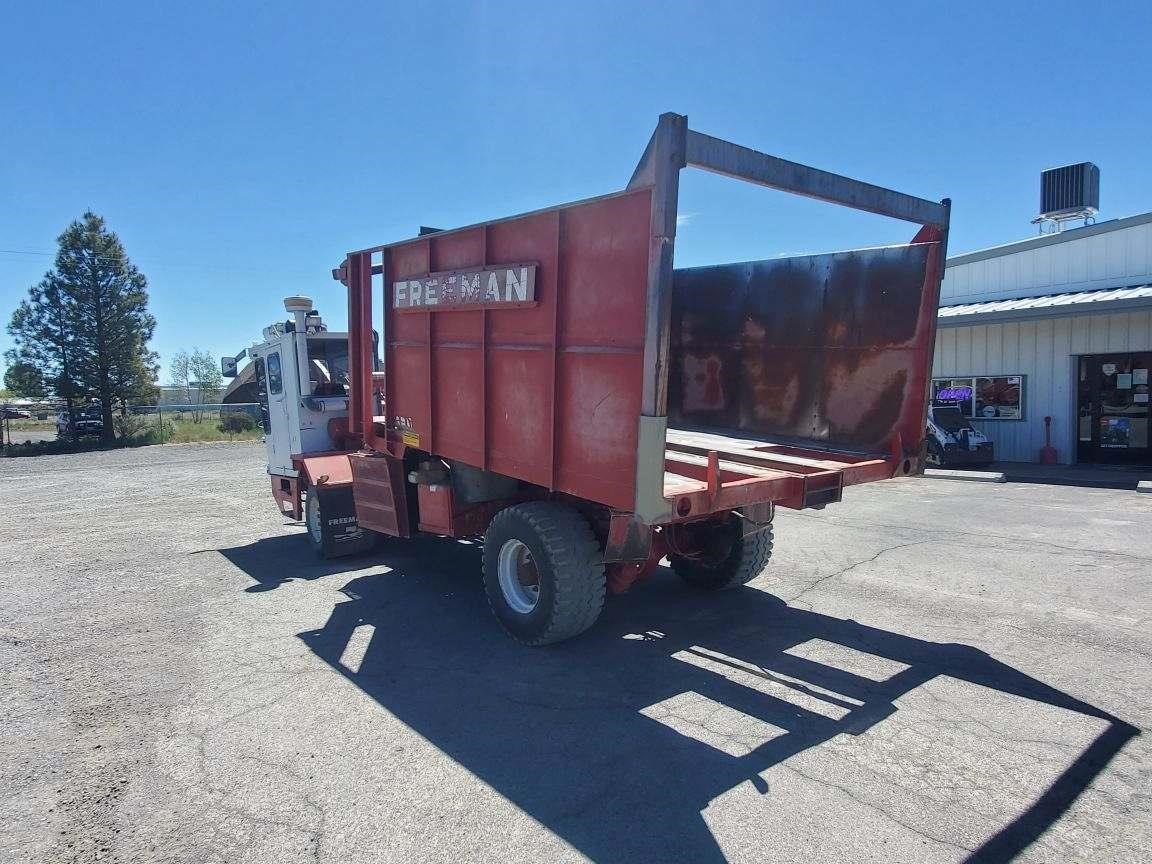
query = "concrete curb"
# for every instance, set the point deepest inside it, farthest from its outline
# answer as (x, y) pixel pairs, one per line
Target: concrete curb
(1144, 486)
(975, 476)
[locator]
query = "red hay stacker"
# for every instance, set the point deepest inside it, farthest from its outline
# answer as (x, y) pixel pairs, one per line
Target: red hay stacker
(550, 382)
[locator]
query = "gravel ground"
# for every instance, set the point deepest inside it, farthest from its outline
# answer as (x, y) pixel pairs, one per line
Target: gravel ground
(931, 671)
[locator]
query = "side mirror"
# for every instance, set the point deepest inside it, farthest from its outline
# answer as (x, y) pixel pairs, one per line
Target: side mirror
(228, 367)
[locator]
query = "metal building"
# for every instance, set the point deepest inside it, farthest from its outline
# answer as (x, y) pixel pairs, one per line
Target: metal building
(1059, 325)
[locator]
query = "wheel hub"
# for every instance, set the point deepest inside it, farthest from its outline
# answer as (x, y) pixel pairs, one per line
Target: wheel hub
(518, 577)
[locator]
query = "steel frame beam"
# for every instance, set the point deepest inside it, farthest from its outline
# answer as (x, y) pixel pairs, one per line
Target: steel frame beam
(732, 160)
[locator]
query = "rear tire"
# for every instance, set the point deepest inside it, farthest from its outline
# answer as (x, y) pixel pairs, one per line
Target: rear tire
(543, 572)
(333, 541)
(728, 558)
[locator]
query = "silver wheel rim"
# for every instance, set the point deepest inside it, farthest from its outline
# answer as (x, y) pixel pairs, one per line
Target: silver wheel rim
(519, 578)
(312, 518)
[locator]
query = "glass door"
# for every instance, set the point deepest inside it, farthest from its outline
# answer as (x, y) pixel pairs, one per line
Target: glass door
(1114, 408)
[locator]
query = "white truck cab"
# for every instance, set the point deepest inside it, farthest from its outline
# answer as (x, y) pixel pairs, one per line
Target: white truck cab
(301, 377)
(300, 372)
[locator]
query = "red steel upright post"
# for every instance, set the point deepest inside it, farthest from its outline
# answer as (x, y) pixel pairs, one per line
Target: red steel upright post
(360, 410)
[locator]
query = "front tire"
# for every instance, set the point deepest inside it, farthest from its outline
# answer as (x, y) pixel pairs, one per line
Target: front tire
(543, 572)
(721, 556)
(934, 455)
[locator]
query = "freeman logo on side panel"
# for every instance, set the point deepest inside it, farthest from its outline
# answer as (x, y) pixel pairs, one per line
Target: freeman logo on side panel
(488, 286)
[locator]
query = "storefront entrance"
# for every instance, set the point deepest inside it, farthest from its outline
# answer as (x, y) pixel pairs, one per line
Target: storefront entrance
(1114, 408)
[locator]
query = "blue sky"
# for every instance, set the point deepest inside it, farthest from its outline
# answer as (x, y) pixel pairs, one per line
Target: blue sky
(240, 149)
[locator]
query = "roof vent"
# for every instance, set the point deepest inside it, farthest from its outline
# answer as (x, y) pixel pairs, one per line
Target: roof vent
(1068, 193)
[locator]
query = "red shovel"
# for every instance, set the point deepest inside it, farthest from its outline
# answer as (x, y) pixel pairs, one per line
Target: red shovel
(1048, 454)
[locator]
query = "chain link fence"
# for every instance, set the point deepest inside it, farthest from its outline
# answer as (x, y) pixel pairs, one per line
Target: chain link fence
(168, 423)
(50, 428)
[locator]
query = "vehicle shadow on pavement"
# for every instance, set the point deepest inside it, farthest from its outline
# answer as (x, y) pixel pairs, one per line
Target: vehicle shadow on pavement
(272, 561)
(613, 740)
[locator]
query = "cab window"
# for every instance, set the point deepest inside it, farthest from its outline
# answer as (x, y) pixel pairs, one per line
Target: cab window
(275, 379)
(328, 367)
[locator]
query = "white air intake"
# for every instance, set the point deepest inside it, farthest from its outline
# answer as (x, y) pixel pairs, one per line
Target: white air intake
(297, 303)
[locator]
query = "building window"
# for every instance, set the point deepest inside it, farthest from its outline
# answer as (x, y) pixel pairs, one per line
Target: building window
(982, 397)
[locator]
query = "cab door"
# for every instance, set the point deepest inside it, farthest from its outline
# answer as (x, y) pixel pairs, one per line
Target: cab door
(278, 437)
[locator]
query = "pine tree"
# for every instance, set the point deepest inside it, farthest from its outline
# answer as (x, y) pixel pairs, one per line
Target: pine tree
(86, 325)
(42, 330)
(24, 379)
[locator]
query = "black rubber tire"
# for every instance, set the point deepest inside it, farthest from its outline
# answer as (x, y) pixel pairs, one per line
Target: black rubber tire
(934, 455)
(568, 561)
(746, 558)
(314, 510)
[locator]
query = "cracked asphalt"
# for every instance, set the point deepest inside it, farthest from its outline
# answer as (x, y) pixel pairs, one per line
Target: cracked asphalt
(930, 671)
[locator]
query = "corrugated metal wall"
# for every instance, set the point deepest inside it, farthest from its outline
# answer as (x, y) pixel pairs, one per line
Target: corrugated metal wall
(1112, 259)
(1044, 351)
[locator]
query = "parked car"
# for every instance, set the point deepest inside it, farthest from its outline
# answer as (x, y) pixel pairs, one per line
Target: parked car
(7, 412)
(89, 423)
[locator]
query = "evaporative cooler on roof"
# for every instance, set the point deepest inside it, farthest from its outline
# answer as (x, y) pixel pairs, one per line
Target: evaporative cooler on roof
(1072, 190)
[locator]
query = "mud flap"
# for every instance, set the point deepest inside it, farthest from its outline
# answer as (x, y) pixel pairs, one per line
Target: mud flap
(381, 492)
(339, 531)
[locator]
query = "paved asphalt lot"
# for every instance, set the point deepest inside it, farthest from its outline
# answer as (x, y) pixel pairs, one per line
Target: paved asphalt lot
(931, 671)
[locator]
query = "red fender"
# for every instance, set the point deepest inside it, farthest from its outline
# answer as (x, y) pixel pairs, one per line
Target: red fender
(324, 469)
(320, 469)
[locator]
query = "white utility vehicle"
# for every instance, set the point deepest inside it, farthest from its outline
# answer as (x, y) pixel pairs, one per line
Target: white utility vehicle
(953, 440)
(300, 375)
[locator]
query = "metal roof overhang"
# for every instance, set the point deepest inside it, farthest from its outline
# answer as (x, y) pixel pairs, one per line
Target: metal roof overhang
(1108, 300)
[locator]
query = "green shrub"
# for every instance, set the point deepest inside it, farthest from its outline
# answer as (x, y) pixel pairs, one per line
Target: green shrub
(138, 429)
(236, 424)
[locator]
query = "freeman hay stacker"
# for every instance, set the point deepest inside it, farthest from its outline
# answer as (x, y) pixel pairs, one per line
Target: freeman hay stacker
(550, 382)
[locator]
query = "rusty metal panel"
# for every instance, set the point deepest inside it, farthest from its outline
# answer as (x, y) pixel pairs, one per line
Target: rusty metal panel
(544, 382)
(830, 349)
(380, 494)
(459, 392)
(600, 364)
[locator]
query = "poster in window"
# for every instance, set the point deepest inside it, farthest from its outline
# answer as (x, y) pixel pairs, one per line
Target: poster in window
(999, 398)
(1115, 432)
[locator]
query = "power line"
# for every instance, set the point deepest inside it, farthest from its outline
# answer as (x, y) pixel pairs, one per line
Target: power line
(161, 264)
